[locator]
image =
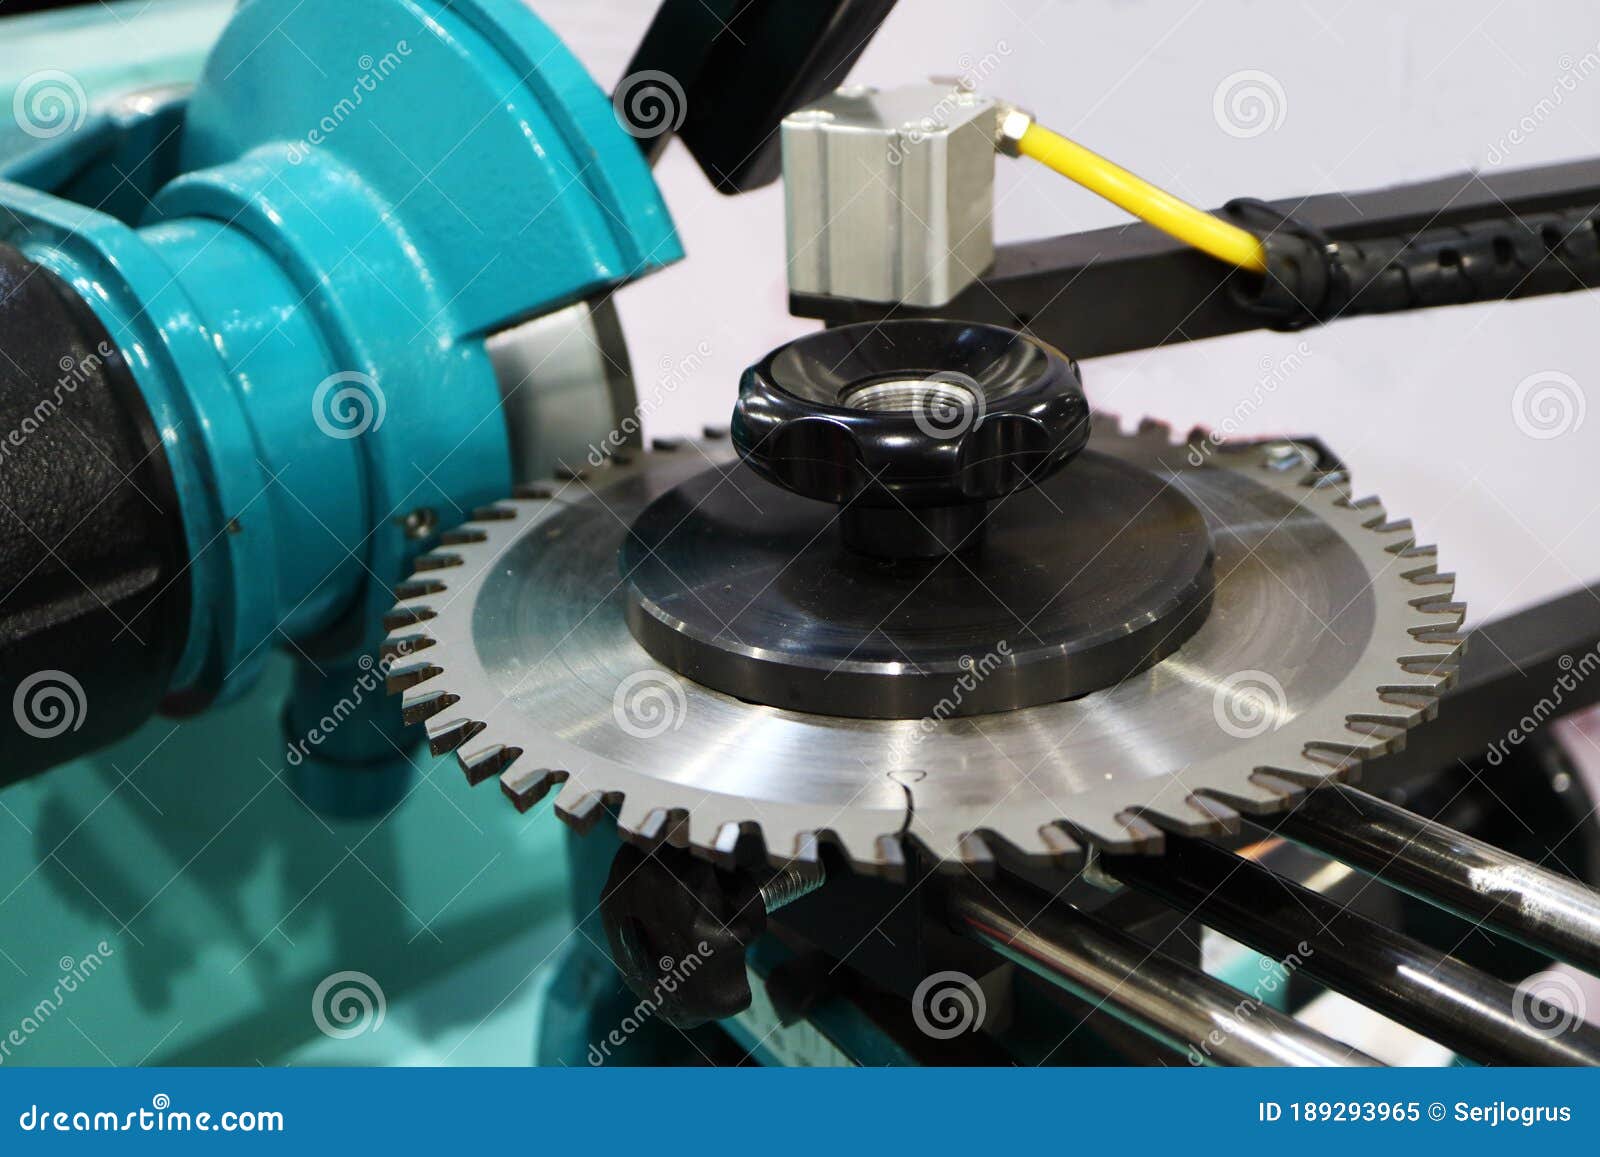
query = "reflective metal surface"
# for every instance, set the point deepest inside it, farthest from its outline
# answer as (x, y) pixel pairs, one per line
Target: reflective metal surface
(1454, 871)
(1329, 634)
(1466, 1010)
(1180, 1006)
(564, 378)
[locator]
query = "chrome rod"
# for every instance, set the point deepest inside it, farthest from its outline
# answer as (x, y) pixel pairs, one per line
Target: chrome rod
(1462, 1008)
(1174, 1004)
(1546, 911)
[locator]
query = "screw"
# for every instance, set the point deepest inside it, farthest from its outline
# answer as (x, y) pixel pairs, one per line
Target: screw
(789, 884)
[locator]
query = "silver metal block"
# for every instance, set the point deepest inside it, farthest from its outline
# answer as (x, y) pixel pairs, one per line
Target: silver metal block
(888, 194)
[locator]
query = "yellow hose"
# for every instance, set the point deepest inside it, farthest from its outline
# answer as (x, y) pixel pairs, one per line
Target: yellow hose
(1205, 231)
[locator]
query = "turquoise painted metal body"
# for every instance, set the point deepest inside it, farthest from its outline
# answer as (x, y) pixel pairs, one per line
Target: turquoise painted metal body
(302, 261)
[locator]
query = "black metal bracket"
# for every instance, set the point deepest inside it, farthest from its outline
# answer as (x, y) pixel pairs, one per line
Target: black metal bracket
(1131, 287)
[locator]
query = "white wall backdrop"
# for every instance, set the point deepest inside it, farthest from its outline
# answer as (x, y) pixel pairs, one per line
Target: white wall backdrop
(1361, 94)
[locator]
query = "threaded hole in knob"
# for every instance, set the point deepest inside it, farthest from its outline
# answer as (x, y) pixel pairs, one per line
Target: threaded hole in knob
(911, 396)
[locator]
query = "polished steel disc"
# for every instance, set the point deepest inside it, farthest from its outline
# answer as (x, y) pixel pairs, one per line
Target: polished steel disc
(1330, 632)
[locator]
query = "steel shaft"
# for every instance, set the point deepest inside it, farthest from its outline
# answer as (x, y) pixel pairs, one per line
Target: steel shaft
(1177, 1005)
(1436, 995)
(1451, 870)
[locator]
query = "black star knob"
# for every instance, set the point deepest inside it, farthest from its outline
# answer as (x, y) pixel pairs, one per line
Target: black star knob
(914, 428)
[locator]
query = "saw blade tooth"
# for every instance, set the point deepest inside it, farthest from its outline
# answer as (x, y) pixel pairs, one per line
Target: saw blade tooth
(1431, 576)
(445, 737)
(482, 761)
(436, 560)
(1369, 507)
(1257, 794)
(1025, 842)
(407, 615)
(1416, 562)
(807, 848)
(400, 646)
(1063, 849)
(464, 536)
(1339, 757)
(1418, 697)
(651, 827)
(635, 817)
(1198, 816)
(583, 807)
(729, 843)
(1445, 667)
(525, 785)
(401, 678)
(418, 588)
(800, 847)
(938, 837)
(1126, 831)
(1443, 605)
(418, 706)
(1388, 731)
(889, 854)
(974, 854)
(1442, 635)
(496, 512)
(1330, 481)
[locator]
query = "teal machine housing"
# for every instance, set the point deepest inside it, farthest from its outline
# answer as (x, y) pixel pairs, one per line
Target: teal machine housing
(301, 261)
(301, 224)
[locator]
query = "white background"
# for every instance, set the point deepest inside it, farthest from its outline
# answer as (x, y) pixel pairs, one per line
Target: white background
(1373, 94)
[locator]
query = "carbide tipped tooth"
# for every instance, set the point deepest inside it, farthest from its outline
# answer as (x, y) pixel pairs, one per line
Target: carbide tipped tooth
(1062, 847)
(1341, 757)
(1422, 697)
(401, 678)
(417, 588)
(1335, 480)
(585, 807)
(1123, 832)
(407, 616)
(975, 854)
(420, 706)
(484, 762)
(526, 785)
(1198, 816)
(653, 826)
(401, 646)
(1443, 635)
(724, 846)
(889, 851)
(463, 536)
(446, 737)
(1260, 793)
(437, 560)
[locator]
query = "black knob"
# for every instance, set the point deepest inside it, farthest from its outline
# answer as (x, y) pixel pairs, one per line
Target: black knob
(678, 930)
(914, 427)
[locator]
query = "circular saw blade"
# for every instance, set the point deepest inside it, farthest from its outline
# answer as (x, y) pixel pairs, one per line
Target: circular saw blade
(1330, 634)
